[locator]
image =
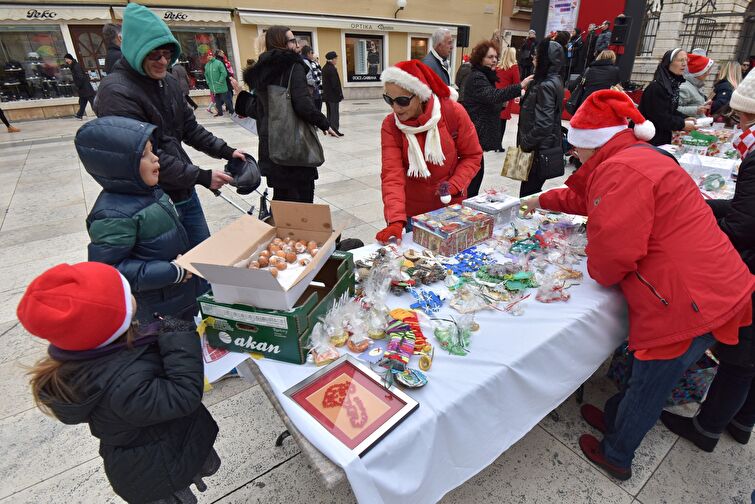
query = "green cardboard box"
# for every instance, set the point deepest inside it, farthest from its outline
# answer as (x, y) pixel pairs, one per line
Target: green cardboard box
(279, 334)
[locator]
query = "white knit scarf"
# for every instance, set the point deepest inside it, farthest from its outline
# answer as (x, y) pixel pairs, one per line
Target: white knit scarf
(433, 147)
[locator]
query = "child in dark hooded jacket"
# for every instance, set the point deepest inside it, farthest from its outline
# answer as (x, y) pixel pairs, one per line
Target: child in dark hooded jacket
(138, 388)
(133, 224)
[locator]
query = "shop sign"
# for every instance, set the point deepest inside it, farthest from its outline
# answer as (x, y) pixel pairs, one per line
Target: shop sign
(41, 14)
(364, 78)
(175, 16)
(371, 26)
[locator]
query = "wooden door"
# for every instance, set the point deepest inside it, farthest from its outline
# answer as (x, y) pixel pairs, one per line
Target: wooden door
(90, 50)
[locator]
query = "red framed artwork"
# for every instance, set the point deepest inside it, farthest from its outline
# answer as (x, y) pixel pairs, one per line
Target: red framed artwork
(351, 402)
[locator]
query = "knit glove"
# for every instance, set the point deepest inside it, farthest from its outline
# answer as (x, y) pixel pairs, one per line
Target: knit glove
(394, 230)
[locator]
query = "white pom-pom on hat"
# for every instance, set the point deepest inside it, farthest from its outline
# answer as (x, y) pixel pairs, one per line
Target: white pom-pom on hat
(604, 114)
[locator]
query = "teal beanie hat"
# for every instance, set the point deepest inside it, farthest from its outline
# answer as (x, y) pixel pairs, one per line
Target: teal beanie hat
(143, 32)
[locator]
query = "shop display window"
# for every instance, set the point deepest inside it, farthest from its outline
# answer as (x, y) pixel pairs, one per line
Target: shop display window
(304, 38)
(31, 63)
(419, 47)
(196, 43)
(365, 57)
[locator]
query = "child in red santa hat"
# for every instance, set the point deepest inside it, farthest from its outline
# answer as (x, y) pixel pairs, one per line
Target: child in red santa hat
(649, 231)
(139, 389)
(429, 146)
(693, 102)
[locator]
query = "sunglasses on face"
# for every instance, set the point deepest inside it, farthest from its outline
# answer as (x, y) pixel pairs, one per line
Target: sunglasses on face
(401, 101)
(158, 54)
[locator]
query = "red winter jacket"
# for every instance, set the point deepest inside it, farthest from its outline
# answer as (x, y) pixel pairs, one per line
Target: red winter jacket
(650, 231)
(505, 79)
(405, 197)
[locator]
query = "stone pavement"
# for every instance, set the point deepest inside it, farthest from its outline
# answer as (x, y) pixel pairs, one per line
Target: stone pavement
(44, 198)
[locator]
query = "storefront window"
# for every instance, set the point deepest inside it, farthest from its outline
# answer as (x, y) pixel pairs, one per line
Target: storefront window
(364, 58)
(419, 47)
(196, 43)
(30, 62)
(304, 38)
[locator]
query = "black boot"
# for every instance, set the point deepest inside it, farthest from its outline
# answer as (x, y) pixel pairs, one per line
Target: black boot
(740, 435)
(682, 426)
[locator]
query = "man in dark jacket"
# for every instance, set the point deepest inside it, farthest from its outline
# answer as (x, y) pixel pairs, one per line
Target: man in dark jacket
(604, 39)
(602, 74)
(111, 33)
(461, 76)
(442, 43)
(526, 54)
(83, 85)
(332, 92)
(140, 87)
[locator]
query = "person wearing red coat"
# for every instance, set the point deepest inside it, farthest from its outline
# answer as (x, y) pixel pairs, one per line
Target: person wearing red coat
(508, 74)
(429, 146)
(651, 232)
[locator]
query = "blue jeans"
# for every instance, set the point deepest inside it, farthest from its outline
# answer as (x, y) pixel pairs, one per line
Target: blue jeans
(226, 98)
(192, 217)
(631, 413)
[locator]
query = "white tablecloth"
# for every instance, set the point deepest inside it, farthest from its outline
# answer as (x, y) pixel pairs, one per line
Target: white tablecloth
(476, 406)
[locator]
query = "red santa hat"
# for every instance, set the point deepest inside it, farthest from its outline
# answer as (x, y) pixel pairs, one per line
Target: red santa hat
(419, 79)
(77, 307)
(603, 115)
(697, 64)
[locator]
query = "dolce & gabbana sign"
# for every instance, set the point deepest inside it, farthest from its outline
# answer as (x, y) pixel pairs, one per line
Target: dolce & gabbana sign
(41, 14)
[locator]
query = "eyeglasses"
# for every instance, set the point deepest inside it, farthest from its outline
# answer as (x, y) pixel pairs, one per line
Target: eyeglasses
(158, 54)
(292, 41)
(401, 101)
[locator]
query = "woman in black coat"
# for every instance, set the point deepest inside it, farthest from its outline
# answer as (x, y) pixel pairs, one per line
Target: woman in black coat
(540, 119)
(602, 74)
(275, 66)
(81, 82)
(483, 102)
(728, 78)
(660, 99)
(730, 404)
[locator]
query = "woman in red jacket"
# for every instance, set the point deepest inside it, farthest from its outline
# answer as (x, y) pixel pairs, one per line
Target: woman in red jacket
(651, 232)
(508, 74)
(429, 145)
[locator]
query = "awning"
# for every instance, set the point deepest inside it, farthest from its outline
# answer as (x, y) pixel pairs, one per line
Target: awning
(176, 15)
(295, 20)
(40, 13)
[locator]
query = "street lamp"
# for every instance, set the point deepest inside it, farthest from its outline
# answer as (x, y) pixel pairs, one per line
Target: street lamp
(400, 4)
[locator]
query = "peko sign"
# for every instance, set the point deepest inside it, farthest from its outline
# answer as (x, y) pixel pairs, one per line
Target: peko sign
(175, 16)
(41, 14)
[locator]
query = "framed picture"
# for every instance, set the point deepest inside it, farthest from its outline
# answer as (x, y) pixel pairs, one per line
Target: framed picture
(351, 402)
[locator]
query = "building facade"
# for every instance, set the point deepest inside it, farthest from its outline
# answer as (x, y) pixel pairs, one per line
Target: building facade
(368, 35)
(723, 28)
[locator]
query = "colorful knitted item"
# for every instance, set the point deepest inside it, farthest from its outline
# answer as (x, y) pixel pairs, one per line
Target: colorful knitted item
(401, 342)
(410, 317)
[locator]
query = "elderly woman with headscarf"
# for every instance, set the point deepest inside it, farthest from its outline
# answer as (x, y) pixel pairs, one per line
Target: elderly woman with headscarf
(692, 100)
(429, 146)
(660, 100)
(650, 231)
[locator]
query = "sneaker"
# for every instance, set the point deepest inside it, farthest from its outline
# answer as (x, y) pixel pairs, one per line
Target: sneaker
(594, 417)
(591, 448)
(80, 118)
(13, 129)
(683, 427)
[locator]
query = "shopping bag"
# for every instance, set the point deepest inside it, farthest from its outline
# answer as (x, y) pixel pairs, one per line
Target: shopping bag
(691, 387)
(517, 164)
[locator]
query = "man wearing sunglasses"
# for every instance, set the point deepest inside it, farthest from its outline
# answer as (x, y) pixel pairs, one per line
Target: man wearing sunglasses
(140, 87)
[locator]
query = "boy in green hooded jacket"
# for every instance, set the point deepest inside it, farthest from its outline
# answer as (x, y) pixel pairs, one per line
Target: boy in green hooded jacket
(216, 75)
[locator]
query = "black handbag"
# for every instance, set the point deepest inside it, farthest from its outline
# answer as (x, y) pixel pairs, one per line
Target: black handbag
(551, 162)
(575, 100)
(292, 141)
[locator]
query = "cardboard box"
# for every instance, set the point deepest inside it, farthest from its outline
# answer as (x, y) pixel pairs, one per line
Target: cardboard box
(502, 211)
(277, 334)
(214, 258)
(449, 230)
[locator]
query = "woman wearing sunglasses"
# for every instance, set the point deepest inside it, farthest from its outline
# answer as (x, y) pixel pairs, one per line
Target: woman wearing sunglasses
(484, 102)
(429, 146)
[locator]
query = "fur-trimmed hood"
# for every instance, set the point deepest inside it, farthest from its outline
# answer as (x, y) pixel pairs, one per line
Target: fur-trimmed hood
(270, 68)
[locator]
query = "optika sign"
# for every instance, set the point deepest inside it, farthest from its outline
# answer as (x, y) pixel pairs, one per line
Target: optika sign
(175, 16)
(36, 14)
(369, 26)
